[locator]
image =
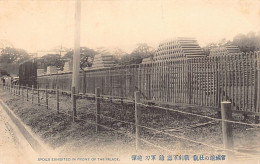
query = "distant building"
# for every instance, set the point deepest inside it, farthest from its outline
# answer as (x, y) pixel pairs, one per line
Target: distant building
(178, 48)
(103, 60)
(224, 50)
(51, 70)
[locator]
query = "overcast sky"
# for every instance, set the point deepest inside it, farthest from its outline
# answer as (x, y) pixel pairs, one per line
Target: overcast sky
(43, 24)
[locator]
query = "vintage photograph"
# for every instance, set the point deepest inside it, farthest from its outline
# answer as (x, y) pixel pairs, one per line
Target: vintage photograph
(129, 81)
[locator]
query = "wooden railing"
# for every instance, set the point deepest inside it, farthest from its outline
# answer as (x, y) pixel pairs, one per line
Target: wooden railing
(202, 81)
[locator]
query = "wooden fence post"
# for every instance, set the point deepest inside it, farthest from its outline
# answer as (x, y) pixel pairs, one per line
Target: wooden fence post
(32, 93)
(137, 119)
(27, 96)
(257, 99)
(226, 114)
(14, 89)
(73, 97)
(57, 99)
(38, 95)
(46, 94)
(18, 89)
(97, 92)
(22, 92)
(84, 82)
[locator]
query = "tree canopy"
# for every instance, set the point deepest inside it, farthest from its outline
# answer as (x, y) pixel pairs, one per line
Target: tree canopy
(50, 60)
(142, 50)
(86, 56)
(11, 58)
(247, 43)
(13, 55)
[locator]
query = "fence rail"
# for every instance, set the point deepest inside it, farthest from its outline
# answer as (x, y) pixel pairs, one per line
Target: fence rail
(202, 81)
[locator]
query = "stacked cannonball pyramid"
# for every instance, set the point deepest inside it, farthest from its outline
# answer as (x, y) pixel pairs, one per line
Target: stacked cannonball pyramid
(178, 48)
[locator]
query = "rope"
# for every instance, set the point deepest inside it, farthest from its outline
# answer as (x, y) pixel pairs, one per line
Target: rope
(198, 115)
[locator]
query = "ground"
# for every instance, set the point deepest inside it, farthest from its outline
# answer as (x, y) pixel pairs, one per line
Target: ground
(13, 147)
(78, 139)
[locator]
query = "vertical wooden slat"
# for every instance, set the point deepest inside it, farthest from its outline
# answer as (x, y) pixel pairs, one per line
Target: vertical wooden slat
(137, 119)
(208, 83)
(257, 100)
(256, 84)
(175, 81)
(46, 96)
(171, 81)
(201, 80)
(236, 81)
(74, 106)
(246, 81)
(240, 81)
(97, 98)
(178, 81)
(38, 95)
(196, 80)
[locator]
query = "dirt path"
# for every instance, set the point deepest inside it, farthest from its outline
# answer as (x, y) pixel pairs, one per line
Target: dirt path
(13, 147)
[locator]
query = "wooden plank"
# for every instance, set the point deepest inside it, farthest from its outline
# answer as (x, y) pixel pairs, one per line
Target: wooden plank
(240, 82)
(171, 81)
(247, 76)
(244, 81)
(197, 80)
(208, 83)
(201, 71)
(257, 100)
(178, 82)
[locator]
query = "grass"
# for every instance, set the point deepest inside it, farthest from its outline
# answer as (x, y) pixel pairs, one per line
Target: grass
(79, 138)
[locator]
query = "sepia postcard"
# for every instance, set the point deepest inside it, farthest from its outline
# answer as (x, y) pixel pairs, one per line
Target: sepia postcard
(129, 81)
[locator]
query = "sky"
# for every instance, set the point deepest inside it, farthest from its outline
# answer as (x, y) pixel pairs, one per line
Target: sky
(43, 24)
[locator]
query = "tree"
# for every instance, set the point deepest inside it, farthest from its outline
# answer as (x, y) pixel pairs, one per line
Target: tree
(13, 56)
(50, 60)
(86, 56)
(247, 43)
(3, 73)
(142, 50)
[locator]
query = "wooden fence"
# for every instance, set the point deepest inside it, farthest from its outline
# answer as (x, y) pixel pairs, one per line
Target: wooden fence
(202, 81)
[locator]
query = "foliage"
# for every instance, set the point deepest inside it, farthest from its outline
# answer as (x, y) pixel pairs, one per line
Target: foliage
(4, 73)
(247, 43)
(50, 60)
(13, 56)
(86, 56)
(142, 50)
